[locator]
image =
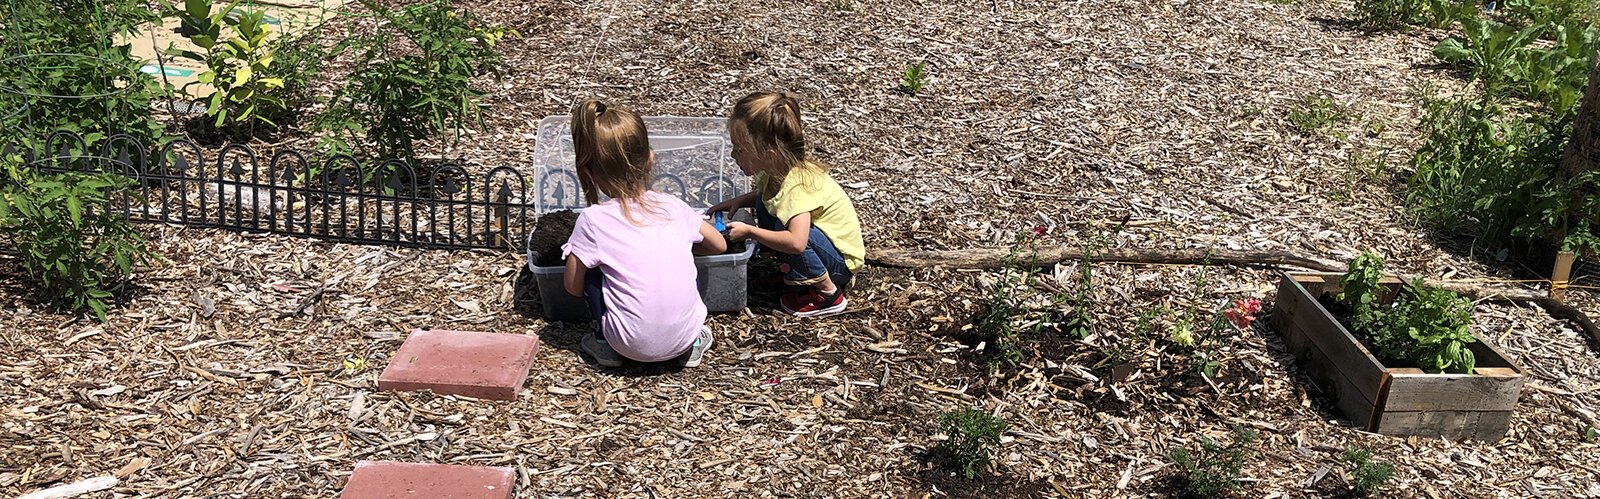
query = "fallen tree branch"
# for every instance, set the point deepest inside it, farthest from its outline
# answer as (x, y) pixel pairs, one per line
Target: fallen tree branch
(992, 258)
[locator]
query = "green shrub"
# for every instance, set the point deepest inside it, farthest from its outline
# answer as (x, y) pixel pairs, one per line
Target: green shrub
(972, 434)
(1402, 14)
(1214, 469)
(415, 80)
(1368, 476)
(98, 87)
(1490, 170)
(238, 63)
(71, 237)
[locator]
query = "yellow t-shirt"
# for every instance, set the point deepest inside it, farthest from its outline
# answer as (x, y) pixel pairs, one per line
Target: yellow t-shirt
(813, 191)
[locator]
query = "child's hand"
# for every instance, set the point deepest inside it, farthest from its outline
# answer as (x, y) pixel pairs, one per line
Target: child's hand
(728, 206)
(739, 231)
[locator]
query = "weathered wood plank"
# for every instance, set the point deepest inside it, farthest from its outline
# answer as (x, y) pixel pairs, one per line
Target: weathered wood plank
(1313, 322)
(1491, 390)
(1348, 400)
(1487, 426)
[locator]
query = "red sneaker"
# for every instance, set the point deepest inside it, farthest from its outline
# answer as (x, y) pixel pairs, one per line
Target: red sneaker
(813, 303)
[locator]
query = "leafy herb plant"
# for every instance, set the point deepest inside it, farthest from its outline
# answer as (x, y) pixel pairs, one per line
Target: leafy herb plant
(238, 63)
(416, 81)
(1426, 325)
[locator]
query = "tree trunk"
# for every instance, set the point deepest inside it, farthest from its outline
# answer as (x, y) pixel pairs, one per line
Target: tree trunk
(1583, 151)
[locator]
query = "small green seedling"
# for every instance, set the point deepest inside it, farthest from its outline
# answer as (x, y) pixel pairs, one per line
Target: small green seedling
(1315, 112)
(914, 78)
(845, 5)
(1589, 434)
(1214, 470)
(972, 436)
(1368, 476)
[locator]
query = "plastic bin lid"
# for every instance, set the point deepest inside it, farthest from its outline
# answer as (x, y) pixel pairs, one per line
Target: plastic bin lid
(693, 162)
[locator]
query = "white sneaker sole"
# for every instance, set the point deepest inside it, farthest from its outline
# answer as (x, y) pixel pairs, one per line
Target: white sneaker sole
(695, 362)
(821, 312)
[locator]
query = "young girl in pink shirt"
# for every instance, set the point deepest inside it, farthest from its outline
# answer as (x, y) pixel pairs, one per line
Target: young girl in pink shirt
(632, 256)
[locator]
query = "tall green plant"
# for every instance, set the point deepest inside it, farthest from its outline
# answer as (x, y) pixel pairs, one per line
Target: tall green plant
(70, 235)
(415, 81)
(238, 62)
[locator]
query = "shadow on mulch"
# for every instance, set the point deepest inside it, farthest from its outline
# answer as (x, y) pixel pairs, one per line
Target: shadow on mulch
(14, 281)
(1321, 402)
(1004, 485)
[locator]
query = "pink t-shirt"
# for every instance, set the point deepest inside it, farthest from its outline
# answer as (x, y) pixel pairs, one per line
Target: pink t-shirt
(653, 307)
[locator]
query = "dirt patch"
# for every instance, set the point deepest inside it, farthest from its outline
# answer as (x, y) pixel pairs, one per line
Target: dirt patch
(548, 236)
(990, 486)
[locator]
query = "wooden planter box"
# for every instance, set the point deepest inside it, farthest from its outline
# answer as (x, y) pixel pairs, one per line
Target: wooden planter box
(1391, 400)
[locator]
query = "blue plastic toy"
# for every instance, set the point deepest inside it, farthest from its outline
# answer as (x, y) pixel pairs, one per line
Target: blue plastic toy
(717, 223)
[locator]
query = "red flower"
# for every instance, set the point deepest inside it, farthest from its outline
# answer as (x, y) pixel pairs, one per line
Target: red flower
(1243, 312)
(1040, 231)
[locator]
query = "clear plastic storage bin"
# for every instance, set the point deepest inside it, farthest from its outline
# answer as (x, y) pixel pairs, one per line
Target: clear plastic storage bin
(693, 162)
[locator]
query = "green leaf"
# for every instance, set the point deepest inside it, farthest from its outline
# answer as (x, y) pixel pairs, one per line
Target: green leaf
(242, 77)
(1452, 50)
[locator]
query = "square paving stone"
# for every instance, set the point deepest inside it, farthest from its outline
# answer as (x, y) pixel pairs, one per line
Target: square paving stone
(391, 480)
(466, 363)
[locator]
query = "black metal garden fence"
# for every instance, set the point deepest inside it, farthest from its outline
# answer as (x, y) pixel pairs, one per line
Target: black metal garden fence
(391, 202)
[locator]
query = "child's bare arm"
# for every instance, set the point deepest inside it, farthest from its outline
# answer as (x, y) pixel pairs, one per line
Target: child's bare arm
(747, 199)
(712, 242)
(573, 279)
(791, 240)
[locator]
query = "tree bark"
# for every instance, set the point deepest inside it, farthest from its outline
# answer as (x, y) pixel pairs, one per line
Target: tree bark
(991, 258)
(1583, 151)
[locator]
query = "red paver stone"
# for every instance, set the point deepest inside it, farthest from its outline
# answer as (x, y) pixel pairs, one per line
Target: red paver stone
(390, 480)
(470, 364)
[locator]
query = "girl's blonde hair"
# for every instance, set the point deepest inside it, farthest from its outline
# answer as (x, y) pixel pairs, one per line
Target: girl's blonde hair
(613, 154)
(770, 121)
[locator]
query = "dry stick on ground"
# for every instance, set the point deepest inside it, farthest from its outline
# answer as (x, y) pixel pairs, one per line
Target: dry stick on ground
(990, 258)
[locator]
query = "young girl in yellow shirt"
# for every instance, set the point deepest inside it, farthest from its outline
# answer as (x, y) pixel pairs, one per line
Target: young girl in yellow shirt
(802, 213)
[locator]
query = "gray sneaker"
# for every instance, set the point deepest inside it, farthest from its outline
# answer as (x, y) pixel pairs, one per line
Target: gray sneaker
(601, 351)
(698, 351)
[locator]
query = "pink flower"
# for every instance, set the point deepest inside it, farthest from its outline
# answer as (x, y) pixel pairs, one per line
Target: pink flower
(1040, 231)
(1243, 312)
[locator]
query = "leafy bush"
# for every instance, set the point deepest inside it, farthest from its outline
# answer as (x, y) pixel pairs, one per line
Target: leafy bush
(1425, 325)
(100, 87)
(237, 63)
(1214, 469)
(971, 435)
(914, 78)
(71, 238)
(1484, 168)
(1401, 14)
(416, 79)
(1368, 476)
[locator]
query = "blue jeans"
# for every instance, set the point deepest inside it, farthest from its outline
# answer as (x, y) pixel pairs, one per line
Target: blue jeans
(807, 267)
(591, 293)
